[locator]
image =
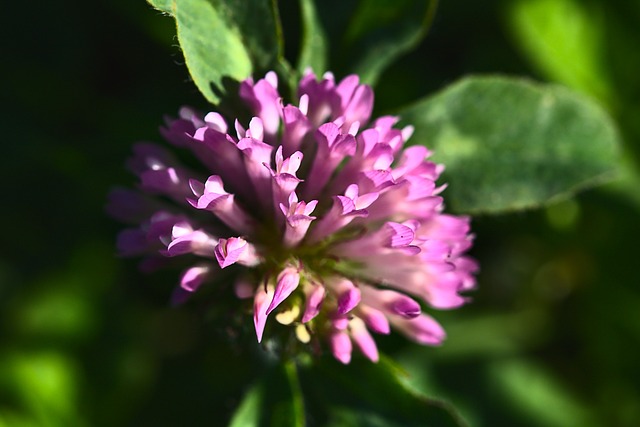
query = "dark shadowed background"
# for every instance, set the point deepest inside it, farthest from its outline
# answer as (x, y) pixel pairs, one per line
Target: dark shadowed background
(551, 338)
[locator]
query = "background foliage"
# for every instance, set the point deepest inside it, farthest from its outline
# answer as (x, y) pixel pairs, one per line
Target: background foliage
(551, 338)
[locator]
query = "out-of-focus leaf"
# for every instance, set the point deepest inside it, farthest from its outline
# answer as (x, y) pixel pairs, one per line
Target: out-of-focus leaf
(627, 186)
(565, 40)
(313, 49)
(536, 393)
(377, 33)
(45, 383)
(366, 393)
(381, 31)
(248, 413)
(276, 400)
(225, 41)
(493, 335)
(9, 418)
(511, 144)
(57, 313)
(162, 5)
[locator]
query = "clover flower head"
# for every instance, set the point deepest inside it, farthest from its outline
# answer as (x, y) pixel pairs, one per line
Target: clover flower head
(333, 227)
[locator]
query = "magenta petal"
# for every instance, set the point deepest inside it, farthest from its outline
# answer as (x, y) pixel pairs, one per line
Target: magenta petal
(313, 302)
(228, 251)
(288, 281)
(346, 88)
(348, 300)
(374, 319)
(327, 134)
(296, 127)
(360, 106)
(263, 97)
(197, 242)
(445, 298)
(390, 302)
(364, 340)
(422, 329)
(398, 235)
(298, 219)
(216, 122)
(340, 322)
(341, 346)
(260, 304)
(347, 294)
(190, 281)
(197, 188)
(194, 277)
(406, 307)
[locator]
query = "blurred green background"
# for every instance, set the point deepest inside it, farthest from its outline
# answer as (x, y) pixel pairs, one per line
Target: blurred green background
(551, 338)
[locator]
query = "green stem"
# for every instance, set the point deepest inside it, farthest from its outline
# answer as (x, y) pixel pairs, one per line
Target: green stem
(291, 371)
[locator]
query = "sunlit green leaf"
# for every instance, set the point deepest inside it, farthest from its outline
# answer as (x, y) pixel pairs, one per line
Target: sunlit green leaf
(212, 49)
(511, 144)
(162, 5)
(313, 49)
(256, 23)
(9, 418)
(45, 383)
(223, 42)
(565, 40)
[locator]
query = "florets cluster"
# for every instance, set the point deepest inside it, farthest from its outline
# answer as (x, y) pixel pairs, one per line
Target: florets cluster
(337, 228)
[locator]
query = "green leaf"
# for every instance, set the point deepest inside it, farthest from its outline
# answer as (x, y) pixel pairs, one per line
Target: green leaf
(366, 393)
(381, 31)
(565, 40)
(212, 48)
(248, 413)
(511, 144)
(537, 395)
(258, 26)
(224, 41)
(313, 49)
(162, 5)
(377, 33)
(276, 400)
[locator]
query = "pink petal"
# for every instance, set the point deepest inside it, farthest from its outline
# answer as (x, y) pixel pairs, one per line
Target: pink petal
(422, 329)
(288, 281)
(314, 297)
(364, 340)
(374, 319)
(389, 301)
(340, 346)
(260, 304)
(216, 122)
(190, 282)
(228, 251)
(197, 242)
(347, 294)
